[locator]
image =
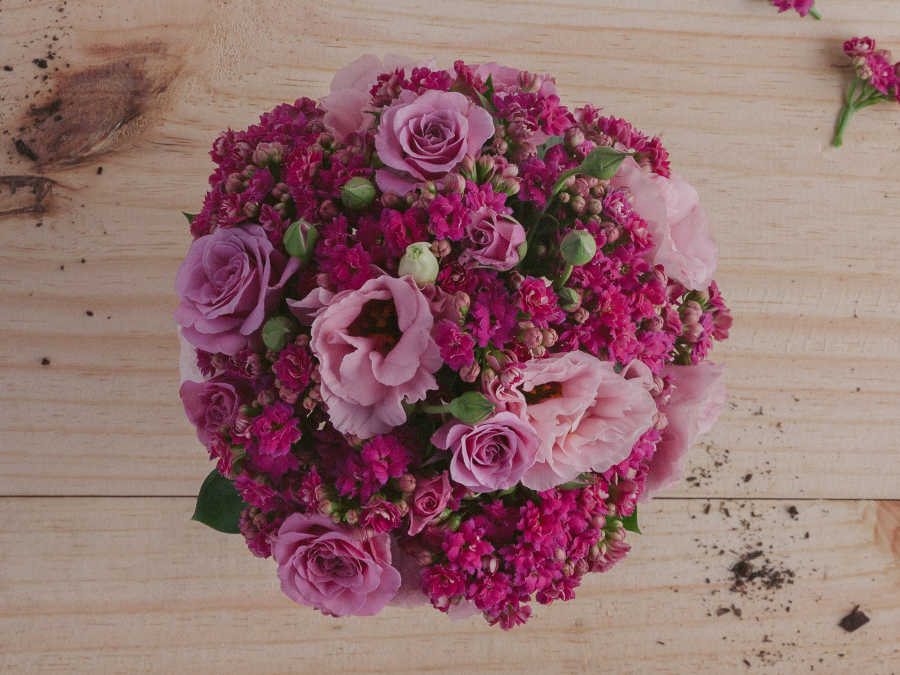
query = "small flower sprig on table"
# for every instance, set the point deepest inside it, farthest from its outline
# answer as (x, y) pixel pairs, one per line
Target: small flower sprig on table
(803, 7)
(875, 80)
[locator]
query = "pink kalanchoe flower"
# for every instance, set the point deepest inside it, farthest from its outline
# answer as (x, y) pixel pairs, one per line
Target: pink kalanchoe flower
(587, 416)
(491, 455)
(457, 346)
(677, 223)
(423, 138)
(802, 7)
(875, 80)
(334, 568)
(698, 398)
(375, 352)
(275, 431)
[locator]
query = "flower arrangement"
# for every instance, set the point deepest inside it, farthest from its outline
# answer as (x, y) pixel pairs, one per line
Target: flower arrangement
(440, 334)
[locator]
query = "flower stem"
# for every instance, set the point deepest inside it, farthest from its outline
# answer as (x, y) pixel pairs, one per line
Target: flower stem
(846, 113)
(436, 409)
(814, 13)
(564, 277)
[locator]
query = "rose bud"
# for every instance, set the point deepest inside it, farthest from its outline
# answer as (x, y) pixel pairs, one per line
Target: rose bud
(300, 240)
(419, 262)
(578, 247)
(357, 193)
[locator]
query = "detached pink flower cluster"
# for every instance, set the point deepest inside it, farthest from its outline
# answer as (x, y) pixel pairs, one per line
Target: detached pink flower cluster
(875, 80)
(446, 334)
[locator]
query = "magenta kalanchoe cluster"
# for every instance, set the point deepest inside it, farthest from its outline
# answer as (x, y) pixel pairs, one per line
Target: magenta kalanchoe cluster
(446, 334)
(875, 80)
(802, 7)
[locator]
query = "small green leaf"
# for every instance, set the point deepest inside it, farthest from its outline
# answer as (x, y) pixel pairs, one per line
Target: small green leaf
(278, 331)
(219, 505)
(603, 162)
(549, 143)
(190, 216)
(471, 407)
(487, 98)
(630, 523)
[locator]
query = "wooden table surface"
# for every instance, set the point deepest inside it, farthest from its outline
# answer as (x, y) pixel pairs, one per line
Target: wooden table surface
(101, 569)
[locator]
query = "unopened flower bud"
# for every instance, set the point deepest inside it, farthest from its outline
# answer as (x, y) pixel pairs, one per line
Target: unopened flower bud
(462, 302)
(488, 375)
(539, 352)
(569, 299)
(574, 137)
(234, 183)
(454, 182)
(578, 204)
(490, 564)
(357, 193)
(660, 421)
(392, 200)
(300, 240)
(467, 167)
(549, 337)
(351, 517)
(578, 247)
(595, 206)
(613, 232)
(441, 248)
(267, 153)
(568, 569)
(484, 167)
(691, 312)
(531, 337)
(328, 210)
(693, 332)
(580, 315)
(251, 209)
(470, 373)
(559, 555)
(406, 483)
(564, 197)
(420, 263)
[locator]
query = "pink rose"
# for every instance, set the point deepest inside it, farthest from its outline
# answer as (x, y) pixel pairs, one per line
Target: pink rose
(346, 106)
(425, 138)
(491, 455)
(213, 405)
(698, 397)
(676, 221)
(375, 351)
(495, 239)
(228, 282)
(429, 501)
(333, 567)
(587, 416)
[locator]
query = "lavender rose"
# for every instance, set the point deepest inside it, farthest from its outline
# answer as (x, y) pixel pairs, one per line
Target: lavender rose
(228, 282)
(334, 568)
(492, 455)
(213, 405)
(495, 239)
(429, 501)
(424, 138)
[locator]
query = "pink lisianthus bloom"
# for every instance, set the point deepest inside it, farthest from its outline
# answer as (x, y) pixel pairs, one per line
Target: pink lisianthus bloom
(375, 351)
(429, 501)
(677, 223)
(494, 239)
(228, 283)
(587, 416)
(491, 455)
(346, 107)
(423, 138)
(697, 400)
(334, 568)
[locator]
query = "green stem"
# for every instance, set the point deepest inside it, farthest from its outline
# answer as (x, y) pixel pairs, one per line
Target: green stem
(564, 277)
(436, 409)
(846, 113)
(814, 13)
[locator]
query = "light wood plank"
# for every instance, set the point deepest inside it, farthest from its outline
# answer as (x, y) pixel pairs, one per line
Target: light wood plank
(131, 585)
(745, 100)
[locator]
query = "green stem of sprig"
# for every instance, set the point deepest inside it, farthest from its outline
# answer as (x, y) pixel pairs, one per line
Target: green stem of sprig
(867, 96)
(814, 13)
(436, 409)
(564, 277)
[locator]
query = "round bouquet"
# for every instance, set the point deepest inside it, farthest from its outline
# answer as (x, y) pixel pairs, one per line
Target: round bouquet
(441, 334)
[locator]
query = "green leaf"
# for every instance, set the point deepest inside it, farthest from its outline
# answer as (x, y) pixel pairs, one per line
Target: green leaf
(487, 98)
(219, 505)
(573, 485)
(549, 143)
(190, 216)
(603, 162)
(278, 331)
(471, 407)
(630, 522)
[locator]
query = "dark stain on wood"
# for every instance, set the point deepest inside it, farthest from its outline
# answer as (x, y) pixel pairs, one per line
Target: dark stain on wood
(24, 194)
(93, 110)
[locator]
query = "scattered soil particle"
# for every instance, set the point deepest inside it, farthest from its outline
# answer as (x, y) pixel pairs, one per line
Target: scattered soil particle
(746, 573)
(8, 69)
(45, 361)
(758, 412)
(792, 511)
(747, 477)
(23, 149)
(855, 619)
(99, 170)
(89, 312)
(722, 610)
(706, 508)
(40, 63)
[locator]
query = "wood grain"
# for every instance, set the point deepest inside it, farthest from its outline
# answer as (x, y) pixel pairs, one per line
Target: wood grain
(130, 585)
(744, 99)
